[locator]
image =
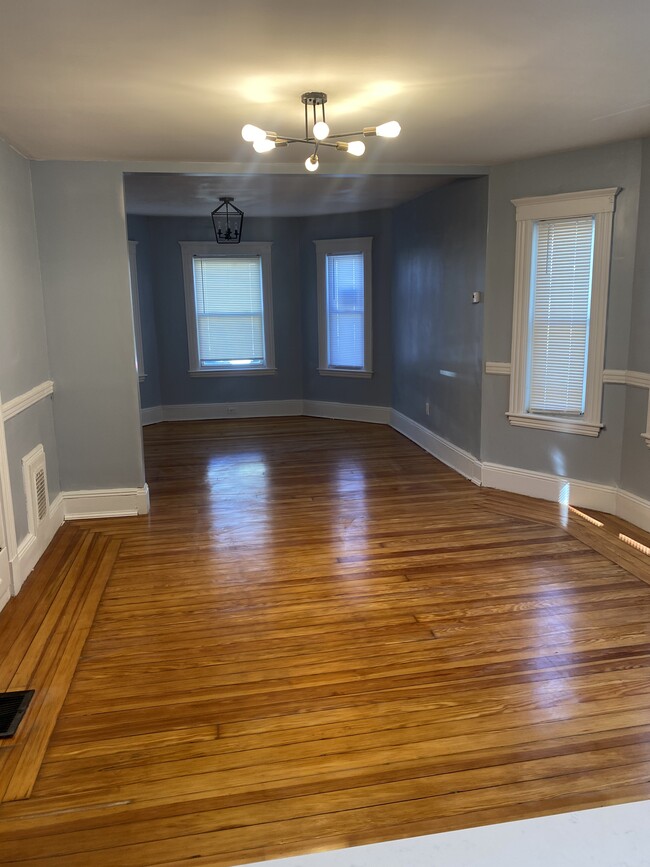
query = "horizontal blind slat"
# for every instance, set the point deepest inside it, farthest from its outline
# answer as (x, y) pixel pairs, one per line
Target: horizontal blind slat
(345, 310)
(229, 310)
(560, 310)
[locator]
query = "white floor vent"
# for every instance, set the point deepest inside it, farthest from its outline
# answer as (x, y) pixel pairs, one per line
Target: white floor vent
(35, 480)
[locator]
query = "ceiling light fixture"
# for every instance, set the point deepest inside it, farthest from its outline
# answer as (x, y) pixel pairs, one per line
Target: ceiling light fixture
(227, 220)
(264, 141)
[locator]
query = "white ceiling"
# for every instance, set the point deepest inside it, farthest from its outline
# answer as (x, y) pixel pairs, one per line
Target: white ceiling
(261, 195)
(472, 82)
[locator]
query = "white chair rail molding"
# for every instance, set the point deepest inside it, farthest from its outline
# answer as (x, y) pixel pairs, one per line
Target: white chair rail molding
(632, 378)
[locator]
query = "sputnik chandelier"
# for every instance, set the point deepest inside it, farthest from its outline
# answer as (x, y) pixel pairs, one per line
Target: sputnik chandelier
(264, 141)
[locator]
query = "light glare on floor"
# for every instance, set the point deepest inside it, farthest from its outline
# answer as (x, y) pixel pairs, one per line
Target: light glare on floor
(633, 542)
(586, 517)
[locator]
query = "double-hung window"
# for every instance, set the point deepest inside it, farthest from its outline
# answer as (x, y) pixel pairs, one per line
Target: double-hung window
(228, 306)
(560, 307)
(344, 281)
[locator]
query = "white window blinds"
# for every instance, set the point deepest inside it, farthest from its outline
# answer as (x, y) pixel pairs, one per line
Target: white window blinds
(345, 313)
(229, 311)
(561, 276)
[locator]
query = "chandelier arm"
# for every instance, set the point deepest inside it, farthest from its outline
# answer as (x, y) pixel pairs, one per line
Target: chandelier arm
(307, 141)
(344, 134)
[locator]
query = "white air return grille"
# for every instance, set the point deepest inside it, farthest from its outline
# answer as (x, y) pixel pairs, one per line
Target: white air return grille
(41, 494)
(35, 479)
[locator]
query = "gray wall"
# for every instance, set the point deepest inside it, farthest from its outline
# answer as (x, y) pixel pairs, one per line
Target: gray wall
(375, 391)
(439, 261)
(150, 387)
(295, 316)
(84, 261)
(635, 463)
(23, 348)
(580, 457)
(23, 345)
(165, 263)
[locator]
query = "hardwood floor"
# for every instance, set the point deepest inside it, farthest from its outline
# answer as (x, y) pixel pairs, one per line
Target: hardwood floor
(320, 637)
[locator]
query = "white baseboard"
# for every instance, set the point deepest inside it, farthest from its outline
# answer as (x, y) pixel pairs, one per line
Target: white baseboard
(151, 415)
(574, 492)
(265, 409)
(33, 546)
(242, 409)
(5, 578)
(106, 503)
(347, 411)
(546, 486)
(453, 456)
(633, 508)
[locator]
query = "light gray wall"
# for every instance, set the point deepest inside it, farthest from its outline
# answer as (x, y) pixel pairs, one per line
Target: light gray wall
(375, 391)
(84, 261)
(138, 228)
(580, 457)
(437, 331)
(23, 347)
(635, 463)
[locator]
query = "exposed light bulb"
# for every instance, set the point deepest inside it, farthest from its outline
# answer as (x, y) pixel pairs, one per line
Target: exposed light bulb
(321, 130)
(263, 145)
(311, 163)
(252, 133)
(389, 130)
(356, 148)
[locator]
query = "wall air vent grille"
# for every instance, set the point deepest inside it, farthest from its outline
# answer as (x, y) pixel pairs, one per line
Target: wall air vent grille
(35, 481)
(12, 709)
(41, 495)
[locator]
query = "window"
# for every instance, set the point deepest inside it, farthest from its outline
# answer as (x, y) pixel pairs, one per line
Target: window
(135, 300)
(344, 281)
(228, 305)
(560, 306)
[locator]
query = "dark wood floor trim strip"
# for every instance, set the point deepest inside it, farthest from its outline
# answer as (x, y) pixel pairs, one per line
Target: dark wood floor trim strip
(49, 662)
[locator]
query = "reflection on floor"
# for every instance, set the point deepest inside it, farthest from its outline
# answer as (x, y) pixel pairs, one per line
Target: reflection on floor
(320, 638)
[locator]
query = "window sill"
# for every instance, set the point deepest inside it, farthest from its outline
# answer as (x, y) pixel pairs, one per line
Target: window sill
(646, 437)
(341, 371)
(236, 371)
(562, 425)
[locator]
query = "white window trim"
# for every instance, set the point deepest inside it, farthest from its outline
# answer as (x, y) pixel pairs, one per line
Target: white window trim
(210, 249)
(333, 247)
(599, 204)
(135, 300)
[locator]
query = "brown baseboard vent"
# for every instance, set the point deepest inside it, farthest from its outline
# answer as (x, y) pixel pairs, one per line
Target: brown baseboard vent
(12, 709)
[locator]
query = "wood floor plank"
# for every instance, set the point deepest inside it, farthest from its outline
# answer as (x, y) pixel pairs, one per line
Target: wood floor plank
(319, 637)
(51, 659)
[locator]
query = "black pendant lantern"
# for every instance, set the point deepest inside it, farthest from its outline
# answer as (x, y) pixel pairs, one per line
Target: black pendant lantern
(227, 220)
